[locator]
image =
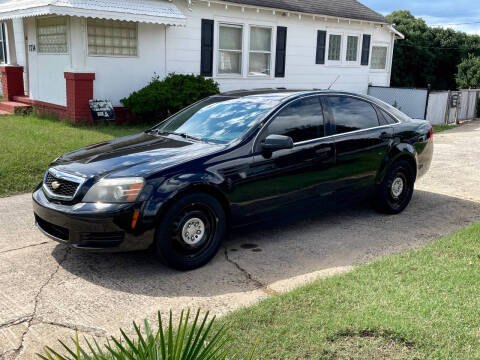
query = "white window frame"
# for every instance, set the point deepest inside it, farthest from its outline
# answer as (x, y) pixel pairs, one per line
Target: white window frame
(217, 49)
(67, 34)
(245, 23)
(327, 48)
(112, 56)
(387, 57)
(359, 49)
(272, 70)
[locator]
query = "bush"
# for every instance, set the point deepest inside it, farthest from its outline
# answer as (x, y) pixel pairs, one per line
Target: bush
(162, 98)
(185, 342)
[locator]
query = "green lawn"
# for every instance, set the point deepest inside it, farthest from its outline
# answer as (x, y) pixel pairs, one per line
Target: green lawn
(421, 304)
(29, 144)
(440, 128)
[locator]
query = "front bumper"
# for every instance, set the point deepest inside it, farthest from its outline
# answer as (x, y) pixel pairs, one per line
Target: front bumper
(91, 226)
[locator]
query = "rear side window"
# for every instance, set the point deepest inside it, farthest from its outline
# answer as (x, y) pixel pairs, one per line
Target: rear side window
(302, 120)
(388, 118)
(351, 114)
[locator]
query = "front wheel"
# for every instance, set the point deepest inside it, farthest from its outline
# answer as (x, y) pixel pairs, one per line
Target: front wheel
(396, 190)
(191, 231)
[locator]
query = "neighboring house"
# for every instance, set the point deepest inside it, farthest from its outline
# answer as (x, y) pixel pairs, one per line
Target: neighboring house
(75, 50)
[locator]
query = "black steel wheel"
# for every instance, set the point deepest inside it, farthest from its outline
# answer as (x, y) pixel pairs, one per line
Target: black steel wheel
(396, 190)
(191, 231)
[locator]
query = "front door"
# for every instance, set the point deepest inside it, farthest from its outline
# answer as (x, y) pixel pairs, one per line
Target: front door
(278, 178)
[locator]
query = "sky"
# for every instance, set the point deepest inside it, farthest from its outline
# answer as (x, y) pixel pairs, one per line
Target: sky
(445, 12)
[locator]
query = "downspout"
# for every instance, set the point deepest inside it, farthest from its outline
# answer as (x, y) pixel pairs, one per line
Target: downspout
(165, 45)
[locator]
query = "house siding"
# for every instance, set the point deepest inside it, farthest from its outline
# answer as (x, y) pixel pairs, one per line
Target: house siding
(170, 49)
(184, 48)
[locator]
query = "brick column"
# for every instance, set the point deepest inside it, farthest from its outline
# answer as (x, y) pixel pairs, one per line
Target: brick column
(12, 81)
(79, 92)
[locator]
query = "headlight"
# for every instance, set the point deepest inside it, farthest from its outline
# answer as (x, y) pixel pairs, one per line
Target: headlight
(123, 190)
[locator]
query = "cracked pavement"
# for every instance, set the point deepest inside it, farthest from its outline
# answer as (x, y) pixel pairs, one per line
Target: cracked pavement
(48, 291)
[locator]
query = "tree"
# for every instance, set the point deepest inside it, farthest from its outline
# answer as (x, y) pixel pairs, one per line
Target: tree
(428, 55)
(468, 76)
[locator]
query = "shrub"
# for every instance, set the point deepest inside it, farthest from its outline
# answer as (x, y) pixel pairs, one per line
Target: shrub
(185, 342)
(161, 98)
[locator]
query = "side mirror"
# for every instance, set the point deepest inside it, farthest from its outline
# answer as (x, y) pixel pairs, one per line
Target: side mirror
(277, 142)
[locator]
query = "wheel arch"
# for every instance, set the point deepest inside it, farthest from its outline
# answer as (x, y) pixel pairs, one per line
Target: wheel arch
(198, 188)
(405, 152)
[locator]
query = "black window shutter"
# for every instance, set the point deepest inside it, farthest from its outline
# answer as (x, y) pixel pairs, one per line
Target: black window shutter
(321, 41)
(281, 51)
(366, 49)
(206, 62)
(3, 44)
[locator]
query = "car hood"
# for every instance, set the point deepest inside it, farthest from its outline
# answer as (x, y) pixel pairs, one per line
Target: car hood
(136, 155)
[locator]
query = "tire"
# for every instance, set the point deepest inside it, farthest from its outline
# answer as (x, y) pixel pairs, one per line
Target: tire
(190, 233)
(396, 190)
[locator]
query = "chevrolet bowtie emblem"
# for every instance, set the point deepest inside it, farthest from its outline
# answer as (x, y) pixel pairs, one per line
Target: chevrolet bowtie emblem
(55, 185)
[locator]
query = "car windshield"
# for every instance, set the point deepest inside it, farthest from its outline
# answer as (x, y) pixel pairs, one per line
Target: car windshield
(219, 119)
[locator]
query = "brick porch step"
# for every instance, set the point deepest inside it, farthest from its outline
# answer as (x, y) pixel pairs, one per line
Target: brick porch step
(2, 113)
(14, 107)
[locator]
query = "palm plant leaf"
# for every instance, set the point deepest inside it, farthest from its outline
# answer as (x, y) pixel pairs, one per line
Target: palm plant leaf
(187, 341)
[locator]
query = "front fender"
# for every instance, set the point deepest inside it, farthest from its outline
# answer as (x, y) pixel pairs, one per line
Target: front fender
(177, 185)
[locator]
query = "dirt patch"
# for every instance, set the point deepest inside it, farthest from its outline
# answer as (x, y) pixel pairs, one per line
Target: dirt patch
(370, 345)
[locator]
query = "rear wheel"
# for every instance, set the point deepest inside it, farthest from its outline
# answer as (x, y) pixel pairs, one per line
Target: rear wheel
(396, 190)
(191, 231)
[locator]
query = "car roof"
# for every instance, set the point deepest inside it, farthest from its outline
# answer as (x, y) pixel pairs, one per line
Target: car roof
(283, 93)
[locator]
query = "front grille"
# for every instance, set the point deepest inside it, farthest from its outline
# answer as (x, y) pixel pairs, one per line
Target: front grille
(56, 231)
(66, 188)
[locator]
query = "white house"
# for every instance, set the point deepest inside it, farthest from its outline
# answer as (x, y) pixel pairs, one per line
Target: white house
(61, 53)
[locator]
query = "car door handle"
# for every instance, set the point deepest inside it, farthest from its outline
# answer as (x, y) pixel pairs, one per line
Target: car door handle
(323, 150)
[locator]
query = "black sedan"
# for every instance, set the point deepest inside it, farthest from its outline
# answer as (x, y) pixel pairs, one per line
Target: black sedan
(179, 186)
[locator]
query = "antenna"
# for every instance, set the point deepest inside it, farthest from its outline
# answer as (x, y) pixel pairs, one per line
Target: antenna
(333, 83)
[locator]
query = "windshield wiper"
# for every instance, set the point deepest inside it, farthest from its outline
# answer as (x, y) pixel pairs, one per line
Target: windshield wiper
(184, 135)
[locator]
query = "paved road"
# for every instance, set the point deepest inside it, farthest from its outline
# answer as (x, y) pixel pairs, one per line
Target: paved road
(47, 291)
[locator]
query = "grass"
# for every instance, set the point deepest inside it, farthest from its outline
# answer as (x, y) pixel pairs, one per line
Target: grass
(440, 128)
(29, 144)
(423, 304)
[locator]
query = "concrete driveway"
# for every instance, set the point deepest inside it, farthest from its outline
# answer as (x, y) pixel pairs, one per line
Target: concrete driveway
(48, 291)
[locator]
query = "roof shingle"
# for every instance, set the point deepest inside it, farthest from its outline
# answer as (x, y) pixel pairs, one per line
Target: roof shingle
(349, 9)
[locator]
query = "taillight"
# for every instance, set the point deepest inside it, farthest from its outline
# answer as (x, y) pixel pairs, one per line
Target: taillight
(431, 133)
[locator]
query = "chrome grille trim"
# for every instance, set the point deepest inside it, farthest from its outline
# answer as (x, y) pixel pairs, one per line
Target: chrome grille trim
(62, 176)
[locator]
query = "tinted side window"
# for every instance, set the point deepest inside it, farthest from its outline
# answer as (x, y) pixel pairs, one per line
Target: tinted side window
(388, 118)
(352, 114)
(302, 120)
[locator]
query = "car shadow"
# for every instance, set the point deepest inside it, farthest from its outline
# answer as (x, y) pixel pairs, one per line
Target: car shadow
(279, 247)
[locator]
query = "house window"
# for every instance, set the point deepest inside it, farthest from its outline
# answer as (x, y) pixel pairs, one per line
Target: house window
(379, 57)
(334, 47)
(3, 44)
(352, 48)
(230, 48)
(112, 38)
(52, 35)
(260, 50)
